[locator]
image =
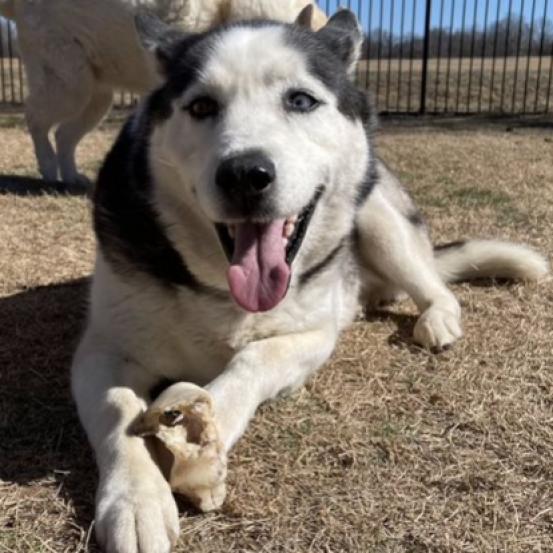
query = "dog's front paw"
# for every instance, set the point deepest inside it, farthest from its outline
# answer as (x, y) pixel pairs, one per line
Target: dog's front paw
(136, 517)
(437, 328)
(192, 457)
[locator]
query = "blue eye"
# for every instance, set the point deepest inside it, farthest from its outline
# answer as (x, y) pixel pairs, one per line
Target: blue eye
(203, 107)
(299, 101)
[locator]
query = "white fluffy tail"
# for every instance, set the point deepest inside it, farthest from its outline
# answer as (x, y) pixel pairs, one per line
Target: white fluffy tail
(489, 259)
(7, 8)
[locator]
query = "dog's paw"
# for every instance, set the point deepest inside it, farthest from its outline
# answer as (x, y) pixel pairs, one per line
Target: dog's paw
(79, 181)
(192, 457)
(137, 516)
(437, 328)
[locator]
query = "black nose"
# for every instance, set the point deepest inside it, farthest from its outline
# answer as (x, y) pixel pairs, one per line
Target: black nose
(248, 174)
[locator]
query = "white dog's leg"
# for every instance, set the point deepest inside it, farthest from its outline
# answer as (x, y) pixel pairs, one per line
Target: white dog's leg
(135, 510)
(400, 253)
(70, 132)
(261, 371)
(39, 125)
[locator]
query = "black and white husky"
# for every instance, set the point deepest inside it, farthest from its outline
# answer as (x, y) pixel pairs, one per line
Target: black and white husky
(240, 216)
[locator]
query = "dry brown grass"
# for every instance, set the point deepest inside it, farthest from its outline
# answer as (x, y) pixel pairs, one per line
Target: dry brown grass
(387, 449)
(461, 85)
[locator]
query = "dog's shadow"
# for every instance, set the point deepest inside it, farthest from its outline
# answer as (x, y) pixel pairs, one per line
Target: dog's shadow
(403, 335)
(17, 185)
(41, 439)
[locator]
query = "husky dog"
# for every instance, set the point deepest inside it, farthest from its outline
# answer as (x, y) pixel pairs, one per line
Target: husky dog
(78, 52)
(240, 215)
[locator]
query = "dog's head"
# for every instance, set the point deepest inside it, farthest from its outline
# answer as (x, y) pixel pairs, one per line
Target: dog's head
(263, 125)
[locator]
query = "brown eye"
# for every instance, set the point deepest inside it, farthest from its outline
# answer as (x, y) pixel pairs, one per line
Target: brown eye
(203, 107)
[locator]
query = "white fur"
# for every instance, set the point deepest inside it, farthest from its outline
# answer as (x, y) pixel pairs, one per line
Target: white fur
(78, 52)
(491, 258)
(140, 330)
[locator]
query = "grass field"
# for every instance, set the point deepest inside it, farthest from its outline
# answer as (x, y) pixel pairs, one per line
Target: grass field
(388, 449)
(459, 85)
(462, 85)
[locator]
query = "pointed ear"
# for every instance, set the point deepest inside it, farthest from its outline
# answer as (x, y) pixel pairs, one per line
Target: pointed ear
(305, 17)
(157, 37)
(344, 36)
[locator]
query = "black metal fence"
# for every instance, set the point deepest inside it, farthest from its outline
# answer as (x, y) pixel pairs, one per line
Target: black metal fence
(424, 56)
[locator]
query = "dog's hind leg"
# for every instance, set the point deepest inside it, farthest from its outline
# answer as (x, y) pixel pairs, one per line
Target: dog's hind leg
(135, 510)
(61, 86)
(39, 124)
(398, 251)
(70, 132)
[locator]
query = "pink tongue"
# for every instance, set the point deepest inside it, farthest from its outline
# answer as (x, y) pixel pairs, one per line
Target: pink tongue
(258, 276)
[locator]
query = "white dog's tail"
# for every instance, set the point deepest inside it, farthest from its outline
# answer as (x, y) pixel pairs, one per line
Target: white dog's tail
(489, 259)
(7, 8)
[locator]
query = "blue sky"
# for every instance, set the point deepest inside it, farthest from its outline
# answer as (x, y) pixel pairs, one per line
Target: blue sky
(369, 11)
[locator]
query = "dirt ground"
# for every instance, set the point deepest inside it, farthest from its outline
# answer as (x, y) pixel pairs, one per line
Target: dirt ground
(387, 449)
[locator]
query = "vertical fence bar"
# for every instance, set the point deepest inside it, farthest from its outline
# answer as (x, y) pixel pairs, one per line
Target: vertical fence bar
(471, 63)
(461, 55)
(519, 43)
(449, 49)
(506, 54)
(411, 54)
(542, 40)
(439, 57)
(368, 53)
(390, 48)
(425, 53)
(377, 90)
(529, 55)
(358, 13)
(494, 55)
(399, 71)
(483, 55)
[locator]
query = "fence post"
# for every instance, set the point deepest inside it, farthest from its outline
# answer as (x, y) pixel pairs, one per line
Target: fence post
(425, 54)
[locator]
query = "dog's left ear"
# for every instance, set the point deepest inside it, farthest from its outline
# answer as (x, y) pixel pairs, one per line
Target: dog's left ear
(157, 37)
(344, 36)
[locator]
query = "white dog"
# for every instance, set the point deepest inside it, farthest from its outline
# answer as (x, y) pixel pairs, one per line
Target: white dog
(240, 215)
(78, 52)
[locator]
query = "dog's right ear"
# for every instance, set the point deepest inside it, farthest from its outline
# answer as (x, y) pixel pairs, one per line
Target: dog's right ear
(305, 17)
(157, 37)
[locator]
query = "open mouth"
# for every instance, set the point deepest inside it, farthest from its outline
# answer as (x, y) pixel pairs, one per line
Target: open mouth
(261, 255)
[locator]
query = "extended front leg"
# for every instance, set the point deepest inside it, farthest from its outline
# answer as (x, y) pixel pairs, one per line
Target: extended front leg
(399, 253)
(135, 510)
(198, 426)
(261, 371)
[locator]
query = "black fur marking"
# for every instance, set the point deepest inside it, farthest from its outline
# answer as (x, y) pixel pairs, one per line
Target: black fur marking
(370, 181)
(416, 218)
(318, 268)
(324, 62)
(450, 245)
(126, 223)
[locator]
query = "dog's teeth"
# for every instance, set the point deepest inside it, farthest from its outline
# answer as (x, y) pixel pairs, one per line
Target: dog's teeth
(292, 219)
(288, 229)
(231, 231)
(285, 241)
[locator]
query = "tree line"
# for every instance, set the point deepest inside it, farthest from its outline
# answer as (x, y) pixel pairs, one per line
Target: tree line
(501, 38)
